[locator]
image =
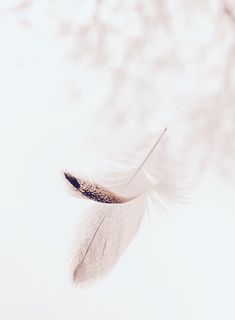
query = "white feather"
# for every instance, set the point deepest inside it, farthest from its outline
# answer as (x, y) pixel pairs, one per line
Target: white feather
(119, 207)
(103, 236)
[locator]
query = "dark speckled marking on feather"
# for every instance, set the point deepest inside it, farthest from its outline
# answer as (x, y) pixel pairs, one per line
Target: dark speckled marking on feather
(72, 180)
(93, 191)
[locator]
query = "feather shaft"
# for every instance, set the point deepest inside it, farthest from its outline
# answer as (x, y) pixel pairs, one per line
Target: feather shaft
(147, 157)
(89, 246)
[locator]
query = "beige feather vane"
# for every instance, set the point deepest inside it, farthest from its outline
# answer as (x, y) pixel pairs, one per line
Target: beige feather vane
(118, 210)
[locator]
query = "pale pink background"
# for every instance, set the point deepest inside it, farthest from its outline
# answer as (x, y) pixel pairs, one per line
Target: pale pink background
(78, 78)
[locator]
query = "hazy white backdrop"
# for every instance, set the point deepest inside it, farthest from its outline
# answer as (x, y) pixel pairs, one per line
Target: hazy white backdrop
(79, 78)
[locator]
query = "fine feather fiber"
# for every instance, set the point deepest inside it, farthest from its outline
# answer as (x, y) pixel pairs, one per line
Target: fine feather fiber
(118, 198)
(165, 173)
